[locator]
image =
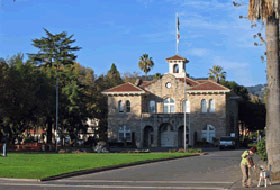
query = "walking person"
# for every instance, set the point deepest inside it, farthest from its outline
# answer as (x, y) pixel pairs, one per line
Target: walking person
(246, 164)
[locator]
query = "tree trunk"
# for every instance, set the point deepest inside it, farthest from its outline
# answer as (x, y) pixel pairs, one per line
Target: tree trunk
(49, 130)
(273, 98)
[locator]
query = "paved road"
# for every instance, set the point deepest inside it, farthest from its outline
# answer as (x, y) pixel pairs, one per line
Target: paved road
(217, 170)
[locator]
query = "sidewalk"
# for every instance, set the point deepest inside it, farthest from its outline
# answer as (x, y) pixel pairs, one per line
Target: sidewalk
(255, 179)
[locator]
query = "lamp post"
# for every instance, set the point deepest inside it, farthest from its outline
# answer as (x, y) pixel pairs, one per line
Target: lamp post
(56, 112)
(185, 114)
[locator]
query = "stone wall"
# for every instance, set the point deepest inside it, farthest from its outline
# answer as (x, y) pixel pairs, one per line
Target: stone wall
(139, 117)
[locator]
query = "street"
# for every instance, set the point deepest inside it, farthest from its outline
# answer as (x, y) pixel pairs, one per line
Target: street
(216, 170)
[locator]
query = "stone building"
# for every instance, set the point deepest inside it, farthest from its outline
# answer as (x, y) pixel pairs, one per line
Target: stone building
(151, 113)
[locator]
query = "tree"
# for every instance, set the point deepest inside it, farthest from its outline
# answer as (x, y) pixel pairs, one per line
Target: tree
(21, 96)
(268, 11)
(113, 76)
(145, 63)
(217, 73)
(55, 53)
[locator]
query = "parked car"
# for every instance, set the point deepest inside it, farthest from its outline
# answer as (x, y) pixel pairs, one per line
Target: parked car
(226, 142)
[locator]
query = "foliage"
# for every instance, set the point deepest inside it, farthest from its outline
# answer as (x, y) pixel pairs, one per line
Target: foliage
(263, 9)
(217, 73)
(22, 95)
(145, 63)
(56, 56)
(39, 166)
(250, 112)
(194, 150)
(157, 76)
(261, 151)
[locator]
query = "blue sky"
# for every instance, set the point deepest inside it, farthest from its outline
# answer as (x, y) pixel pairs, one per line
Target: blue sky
(120, 31)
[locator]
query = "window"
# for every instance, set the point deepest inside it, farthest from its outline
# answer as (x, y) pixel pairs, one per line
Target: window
(124, 134)
(186, 103)
(175, 68)
(211, 105)
(203, 105)
(127, 103)
(121, 106)
(168, 85)
(168, 105)
(152, 106)
(209, 133)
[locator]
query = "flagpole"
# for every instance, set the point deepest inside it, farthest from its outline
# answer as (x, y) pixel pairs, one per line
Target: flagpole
(177, 36)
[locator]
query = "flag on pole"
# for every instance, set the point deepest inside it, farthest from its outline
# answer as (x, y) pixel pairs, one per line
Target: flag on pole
(178, 35)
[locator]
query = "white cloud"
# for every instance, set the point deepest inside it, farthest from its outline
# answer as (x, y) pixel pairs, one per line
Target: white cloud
(198, 52)
(238, 71)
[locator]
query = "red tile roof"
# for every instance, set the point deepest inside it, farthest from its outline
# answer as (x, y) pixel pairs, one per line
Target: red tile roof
(146, 83)
(209, 85)
(127, 87)
(190, 81)
(176, 58)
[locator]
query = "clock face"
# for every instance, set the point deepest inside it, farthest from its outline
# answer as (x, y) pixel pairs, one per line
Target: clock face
(168, 85)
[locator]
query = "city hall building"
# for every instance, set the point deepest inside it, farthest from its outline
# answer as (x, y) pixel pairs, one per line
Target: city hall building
(151, 113)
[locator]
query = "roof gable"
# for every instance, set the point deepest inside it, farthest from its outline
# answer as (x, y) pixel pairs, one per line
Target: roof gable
(209, 86)
(126, 87)
(176, 58)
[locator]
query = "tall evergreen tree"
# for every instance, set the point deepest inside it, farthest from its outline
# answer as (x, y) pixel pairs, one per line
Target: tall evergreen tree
(55, 53)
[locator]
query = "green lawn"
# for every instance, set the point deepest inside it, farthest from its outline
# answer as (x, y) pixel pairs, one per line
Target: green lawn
(39, 166)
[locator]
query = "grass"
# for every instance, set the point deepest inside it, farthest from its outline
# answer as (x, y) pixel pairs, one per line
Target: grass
(39, 166)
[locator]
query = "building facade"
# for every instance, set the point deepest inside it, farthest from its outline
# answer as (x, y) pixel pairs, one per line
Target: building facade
(151, 113)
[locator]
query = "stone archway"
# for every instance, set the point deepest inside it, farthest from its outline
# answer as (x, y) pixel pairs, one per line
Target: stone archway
(148, 136)
(181, 136)
(167, 135)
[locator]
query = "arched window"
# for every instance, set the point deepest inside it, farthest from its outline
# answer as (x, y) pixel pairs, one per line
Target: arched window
(203, 105)
(211, 105)
(175, 68)
(121, 106)
(127, 104)
(168, 105)
(186, 103)
(152, 106)
(124, 134)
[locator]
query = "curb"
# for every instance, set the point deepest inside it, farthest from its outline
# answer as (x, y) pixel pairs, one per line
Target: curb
(22, 180)
(106, 168)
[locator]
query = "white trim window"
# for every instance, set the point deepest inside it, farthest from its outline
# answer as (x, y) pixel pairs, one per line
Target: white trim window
(121, 106)
(186, 103)
(152, 106)
(208, 132)
(124, 134)
(203, 105)
(168, 105)
(211, 105)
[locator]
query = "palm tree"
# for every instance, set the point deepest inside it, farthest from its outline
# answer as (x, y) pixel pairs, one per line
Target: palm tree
(217, 73)
(145, 63)
(268, 12)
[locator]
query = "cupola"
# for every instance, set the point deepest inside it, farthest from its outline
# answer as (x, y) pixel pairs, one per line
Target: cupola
(177, 65)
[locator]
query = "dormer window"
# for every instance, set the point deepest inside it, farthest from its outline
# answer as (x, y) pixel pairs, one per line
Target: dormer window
(175, 68)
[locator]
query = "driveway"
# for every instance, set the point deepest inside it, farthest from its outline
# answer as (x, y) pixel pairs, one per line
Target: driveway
(217, 170)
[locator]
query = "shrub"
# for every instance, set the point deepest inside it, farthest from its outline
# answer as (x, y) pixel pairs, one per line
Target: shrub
(261, 151)
(194, 150)
(181, 150)
(29, 139)
(173, 150)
